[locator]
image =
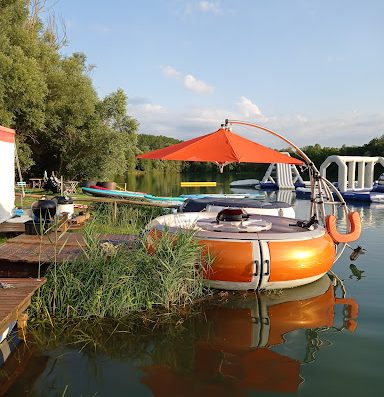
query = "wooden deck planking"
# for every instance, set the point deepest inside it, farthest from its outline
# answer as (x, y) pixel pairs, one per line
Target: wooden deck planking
(14, 301)
(19, 227)
(23, 255)
(9, 227)
(31, 253)
(68, 239)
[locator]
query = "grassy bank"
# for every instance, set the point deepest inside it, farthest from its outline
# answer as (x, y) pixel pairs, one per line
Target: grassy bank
(109, 281)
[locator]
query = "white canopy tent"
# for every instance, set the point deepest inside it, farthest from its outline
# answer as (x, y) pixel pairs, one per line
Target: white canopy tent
(7, 173)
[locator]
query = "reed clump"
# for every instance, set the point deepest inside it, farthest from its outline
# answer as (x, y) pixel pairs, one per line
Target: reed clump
(109, 281)
(110, 218)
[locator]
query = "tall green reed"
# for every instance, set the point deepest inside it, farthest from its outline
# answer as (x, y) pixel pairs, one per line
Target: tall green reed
(108, 218)
(113, 281)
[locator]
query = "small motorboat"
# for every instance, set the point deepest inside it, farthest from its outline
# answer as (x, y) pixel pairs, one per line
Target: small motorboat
(245, 183)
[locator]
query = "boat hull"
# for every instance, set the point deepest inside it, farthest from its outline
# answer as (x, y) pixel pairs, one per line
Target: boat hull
(111, 193)
(283, 256)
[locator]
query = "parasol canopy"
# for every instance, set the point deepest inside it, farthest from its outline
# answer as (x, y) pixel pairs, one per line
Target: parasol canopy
(221, 147)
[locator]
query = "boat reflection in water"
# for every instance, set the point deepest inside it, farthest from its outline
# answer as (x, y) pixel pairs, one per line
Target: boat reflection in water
(234, 357)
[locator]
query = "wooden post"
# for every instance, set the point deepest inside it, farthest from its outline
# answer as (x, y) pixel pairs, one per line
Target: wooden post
(114, 212)
(22, 326)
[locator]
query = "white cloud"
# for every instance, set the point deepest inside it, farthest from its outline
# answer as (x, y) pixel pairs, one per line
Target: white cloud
(171, 72)
(249, 109)
(190, 82)
(349, 128)
(301, 118)
(213, 7)
(152, 108)
(199, 86)
(210, 6)
(146, 111)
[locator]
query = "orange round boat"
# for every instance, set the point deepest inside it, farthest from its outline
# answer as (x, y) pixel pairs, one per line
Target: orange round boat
(259, 252)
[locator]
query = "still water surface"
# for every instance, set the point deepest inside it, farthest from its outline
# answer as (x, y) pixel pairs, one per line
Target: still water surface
(307, 341)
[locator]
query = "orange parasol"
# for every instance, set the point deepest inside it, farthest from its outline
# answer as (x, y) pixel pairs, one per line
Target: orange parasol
(221, 147)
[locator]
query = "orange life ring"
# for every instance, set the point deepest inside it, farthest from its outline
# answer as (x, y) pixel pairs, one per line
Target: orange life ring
(355, 228)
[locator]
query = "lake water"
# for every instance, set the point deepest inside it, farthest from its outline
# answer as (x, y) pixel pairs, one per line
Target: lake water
(318, 340)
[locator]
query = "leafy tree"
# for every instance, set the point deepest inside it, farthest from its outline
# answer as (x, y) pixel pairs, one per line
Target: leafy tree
(148, 143)
(50, 100)
(22, 82)
(113, 112)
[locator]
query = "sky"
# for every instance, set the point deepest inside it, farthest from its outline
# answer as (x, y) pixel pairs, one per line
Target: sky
(313, 70)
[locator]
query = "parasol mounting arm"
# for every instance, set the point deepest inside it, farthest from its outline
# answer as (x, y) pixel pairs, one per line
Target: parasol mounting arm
(290, 143)
(222, 165)
(319, 185)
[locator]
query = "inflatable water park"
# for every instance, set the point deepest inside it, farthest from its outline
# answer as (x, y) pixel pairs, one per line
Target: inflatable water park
(355, 180)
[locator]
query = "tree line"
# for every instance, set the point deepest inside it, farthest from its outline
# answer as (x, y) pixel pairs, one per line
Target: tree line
(62, 125)
(50, 100)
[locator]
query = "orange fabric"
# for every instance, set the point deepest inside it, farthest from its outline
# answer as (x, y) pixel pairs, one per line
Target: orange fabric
(7, 134)
(222, 146)
(355, 223)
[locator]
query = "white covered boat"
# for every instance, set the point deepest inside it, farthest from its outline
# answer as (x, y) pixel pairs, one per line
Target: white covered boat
(245, 183)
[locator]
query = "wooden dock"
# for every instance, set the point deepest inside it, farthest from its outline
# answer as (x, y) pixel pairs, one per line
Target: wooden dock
(14, 301)
(23, 255)
(76, 222)
(15, 297)
(8, 227)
